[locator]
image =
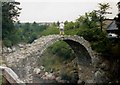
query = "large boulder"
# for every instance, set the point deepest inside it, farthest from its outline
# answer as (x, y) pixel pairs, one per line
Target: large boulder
(101, 77)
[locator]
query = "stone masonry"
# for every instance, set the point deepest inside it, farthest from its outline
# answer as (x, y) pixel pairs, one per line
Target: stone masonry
(24, 60)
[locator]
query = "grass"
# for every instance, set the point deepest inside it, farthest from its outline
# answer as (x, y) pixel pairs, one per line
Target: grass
(50, 61)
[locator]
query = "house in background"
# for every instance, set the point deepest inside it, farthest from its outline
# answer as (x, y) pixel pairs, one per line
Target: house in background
(112, 30)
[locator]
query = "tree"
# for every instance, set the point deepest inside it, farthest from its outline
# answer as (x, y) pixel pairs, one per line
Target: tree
(117, 19)
(89, 20)
(58, 23)
(10, 12)
(103, 7)
(69, 25)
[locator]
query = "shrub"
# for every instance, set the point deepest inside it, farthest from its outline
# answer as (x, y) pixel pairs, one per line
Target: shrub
(7, 42)
(92, 34)
(62, 50)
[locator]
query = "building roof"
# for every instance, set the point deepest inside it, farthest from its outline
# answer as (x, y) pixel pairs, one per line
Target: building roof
(112, 26)
(107, 22)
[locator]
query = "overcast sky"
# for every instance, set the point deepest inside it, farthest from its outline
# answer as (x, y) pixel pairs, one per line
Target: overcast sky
(59, 10)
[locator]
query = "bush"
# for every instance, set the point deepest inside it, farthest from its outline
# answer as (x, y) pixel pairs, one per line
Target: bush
(97, 38)
(62, 49)
(51, 30)
(32, 38)
(100, 46)
(92, 34)
(7, 42)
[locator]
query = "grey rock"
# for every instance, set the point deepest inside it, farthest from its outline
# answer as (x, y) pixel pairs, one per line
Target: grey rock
(58, 78)
(13, 49)
(105, 65)
(9, 50)
(36, 71)
(100, 77)
(21, 45)
(5, 49)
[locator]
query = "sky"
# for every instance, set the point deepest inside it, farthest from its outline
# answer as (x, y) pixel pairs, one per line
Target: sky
(60, 10)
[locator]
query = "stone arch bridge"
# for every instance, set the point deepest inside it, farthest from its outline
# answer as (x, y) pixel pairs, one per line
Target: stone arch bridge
(23, 61)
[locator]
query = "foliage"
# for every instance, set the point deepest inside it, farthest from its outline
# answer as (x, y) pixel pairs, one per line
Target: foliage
(53, 29)
(71, 31)
(62, 49)
(10, 12)
(92, 34)
(69, 25)
(15, 32)
(25, 32)
(101, 46)
(7, 42)
(103, 7)
(86, 26)
(90, 23)
(30, 31)
(98, 39)
(89, 20)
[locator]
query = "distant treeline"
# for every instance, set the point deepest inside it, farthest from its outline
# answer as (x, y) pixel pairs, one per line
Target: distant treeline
(25, 33)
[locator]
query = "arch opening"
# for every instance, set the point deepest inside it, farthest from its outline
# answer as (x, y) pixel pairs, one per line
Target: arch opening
(80, 52)
(82, 62)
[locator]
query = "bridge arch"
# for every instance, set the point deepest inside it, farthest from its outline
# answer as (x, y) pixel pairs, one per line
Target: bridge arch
(25, 61)
(80, 46)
